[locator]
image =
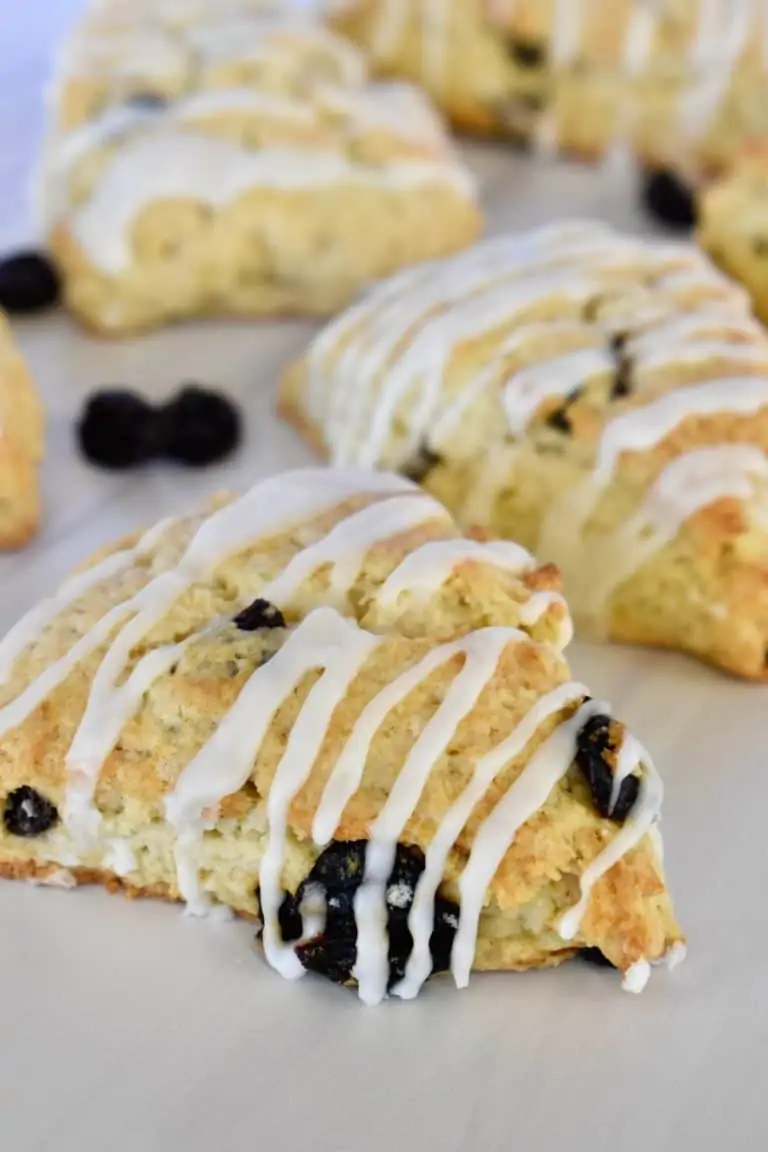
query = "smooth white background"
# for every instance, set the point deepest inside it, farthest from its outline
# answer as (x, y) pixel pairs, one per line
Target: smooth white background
(128, 1028)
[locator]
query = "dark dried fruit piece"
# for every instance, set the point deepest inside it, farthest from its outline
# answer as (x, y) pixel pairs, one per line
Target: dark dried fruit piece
(592, 747)
(117, 429)
(622, 381)
(199, 426)
(338, 873)
(669, 199)
(27, 813)
(421, 464)
(288, 917)
(527, 53)
(29, 282)
(559, 419)
(259, 614)
(596, 957)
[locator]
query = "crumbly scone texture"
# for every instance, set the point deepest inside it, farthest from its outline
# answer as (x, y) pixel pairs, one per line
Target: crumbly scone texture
(236, 161)
(372, 562)
(601, 399)
(733, 223)
(673, 79)
(21, 445)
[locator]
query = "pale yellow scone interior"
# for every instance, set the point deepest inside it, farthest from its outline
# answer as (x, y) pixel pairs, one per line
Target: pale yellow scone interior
(601, 399)
(319, 702)
(235, 160)
(674, 78)
(733, 224)
(21, 445)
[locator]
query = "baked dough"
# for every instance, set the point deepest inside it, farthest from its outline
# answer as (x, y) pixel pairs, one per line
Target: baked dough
(733, 223)
(675, 78)
(236, 164)
(21, 445)
(318, 700)
(601, 399)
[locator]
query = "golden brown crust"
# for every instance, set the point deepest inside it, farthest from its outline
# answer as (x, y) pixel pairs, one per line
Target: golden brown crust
(137, 847)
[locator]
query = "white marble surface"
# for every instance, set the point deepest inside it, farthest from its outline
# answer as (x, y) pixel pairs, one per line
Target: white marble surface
(126, 1027)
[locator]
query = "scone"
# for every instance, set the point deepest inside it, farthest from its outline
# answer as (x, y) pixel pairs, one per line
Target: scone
(320, 705)
(733, 224)
(671, 77)
(239, 165)
(601, 399)
(21, 445)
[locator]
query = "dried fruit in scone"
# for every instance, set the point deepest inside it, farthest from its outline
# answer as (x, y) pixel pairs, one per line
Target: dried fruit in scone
(21, 445)
(321, 706)
(601, 399)
(237, 162)
(673, 80)
(733, 223)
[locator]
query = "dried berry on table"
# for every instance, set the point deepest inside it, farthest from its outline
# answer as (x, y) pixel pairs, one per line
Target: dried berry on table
(667, 198)
(117, 429)
(120, 429)
(199, 426)
(29, 282)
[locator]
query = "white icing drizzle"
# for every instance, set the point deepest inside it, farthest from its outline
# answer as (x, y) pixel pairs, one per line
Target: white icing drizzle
(216, 171)
(323, 640)
(645, 812)
(723, 32)
(400, 339)
(423, 571)
(273, 505)
(688, 484)
(31, 626)
(636, 431)
(347, 544)
(523, 799)
(528, 388)
(703, 352)
(483, 651)
(421, 916)
(636, 977)
(642, 428)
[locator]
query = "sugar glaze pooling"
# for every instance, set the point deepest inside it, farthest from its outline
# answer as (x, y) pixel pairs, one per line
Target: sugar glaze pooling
(328, 641)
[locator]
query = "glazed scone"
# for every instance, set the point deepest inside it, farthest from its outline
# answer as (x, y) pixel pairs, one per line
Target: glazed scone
(253, 173)
(733, 224)
(321, 705)
(583, 75)
(601, 399)
(21, 445)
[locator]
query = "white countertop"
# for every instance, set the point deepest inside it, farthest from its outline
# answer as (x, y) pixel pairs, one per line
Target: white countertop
(129, 1028)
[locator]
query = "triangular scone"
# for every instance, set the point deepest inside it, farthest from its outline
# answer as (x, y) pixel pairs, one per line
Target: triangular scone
(21, 445)
(318, 703)
(601, 399)
(674, 79)
(210, 159)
